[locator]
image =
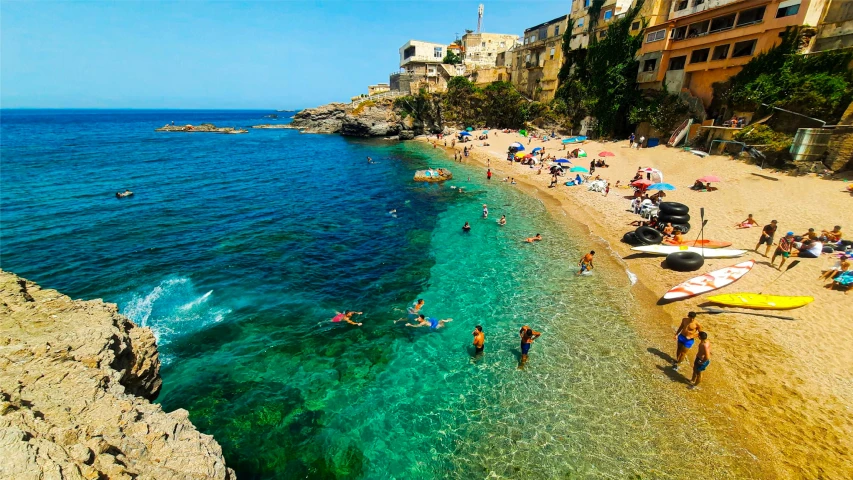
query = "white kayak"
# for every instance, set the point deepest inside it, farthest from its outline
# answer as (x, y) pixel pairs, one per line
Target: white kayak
(664, 250)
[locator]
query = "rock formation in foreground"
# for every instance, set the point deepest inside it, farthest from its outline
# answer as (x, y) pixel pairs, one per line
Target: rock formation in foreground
(76, 380)
(371, 118)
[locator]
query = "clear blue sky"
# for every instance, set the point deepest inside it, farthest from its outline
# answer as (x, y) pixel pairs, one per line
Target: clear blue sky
(194, 54)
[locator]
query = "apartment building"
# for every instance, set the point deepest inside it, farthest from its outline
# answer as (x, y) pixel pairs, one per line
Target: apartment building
(481, 50)
(707, 41)
(421, 67)
(538, 58)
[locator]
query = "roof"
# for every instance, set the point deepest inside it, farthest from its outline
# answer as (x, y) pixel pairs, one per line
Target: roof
(549, 22)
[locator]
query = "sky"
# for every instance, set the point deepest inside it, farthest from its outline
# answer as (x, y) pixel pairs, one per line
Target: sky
(202, 54)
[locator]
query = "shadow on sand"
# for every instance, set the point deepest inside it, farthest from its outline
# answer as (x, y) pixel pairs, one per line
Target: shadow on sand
(673, 375)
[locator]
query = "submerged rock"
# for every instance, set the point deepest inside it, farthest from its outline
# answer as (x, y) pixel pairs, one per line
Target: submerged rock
(76, 378)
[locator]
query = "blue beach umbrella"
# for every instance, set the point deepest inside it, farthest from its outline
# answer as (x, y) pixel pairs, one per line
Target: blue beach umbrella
(537, 149)
(578, 169)
(660, 186)
(517, 146)
(470, 128)
(464, 134)
(562, 160)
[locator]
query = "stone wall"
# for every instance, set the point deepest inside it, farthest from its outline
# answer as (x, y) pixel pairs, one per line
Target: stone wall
(840, 152)
(75, 383)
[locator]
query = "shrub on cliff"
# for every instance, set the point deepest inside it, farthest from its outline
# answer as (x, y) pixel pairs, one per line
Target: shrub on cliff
(661, 109)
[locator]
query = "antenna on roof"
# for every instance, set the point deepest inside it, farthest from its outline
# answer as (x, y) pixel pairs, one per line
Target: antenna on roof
(480, 18)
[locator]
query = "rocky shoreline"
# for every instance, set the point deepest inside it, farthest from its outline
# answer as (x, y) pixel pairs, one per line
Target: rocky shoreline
(203, 128)
(377, 118)
(76, 384)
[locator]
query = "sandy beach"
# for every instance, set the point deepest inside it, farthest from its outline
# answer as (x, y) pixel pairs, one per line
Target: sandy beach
(784, 388)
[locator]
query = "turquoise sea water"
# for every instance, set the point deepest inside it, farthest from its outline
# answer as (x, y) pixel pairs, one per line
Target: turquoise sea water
(238, 249)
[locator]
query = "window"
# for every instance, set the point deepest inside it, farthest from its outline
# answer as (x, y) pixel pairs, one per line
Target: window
(556, 30)
(655, 36)
(697, 29)
(680, 5)
(527, 58)
(635, 25)
(608, 14)
(677, 63)
(699, 56)
(532, 38)
(786, 9)
(409, 52)
(748, 17)
(580, 22)
(649, 65)
(678, 33)
(698, 2)
(483, 44)
(503, 44)
(721, 52)
(552, 54)
(437, 53)
(743, 49)
(722, 23)
(526, 40)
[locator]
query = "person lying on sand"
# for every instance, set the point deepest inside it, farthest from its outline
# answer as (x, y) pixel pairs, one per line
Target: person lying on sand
(668, 230)
(675, 239)
(748, 223)
(537, 238)
(842, 267)
(652, 222)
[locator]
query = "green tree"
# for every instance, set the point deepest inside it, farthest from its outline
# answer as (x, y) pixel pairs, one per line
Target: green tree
(661, 109)
(452, 58)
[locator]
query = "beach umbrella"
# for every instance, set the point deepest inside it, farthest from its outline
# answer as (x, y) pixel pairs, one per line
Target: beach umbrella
(523, 132)
(536, 149)
(579, 153)
(485, 132)
(528, 156)
(606, 154)
(578, 169)
(470, 129)
(519, 155)
(641, 183)
(710, 178)
(562, 160)
(517, 146)
(464, 134)
(661, 186)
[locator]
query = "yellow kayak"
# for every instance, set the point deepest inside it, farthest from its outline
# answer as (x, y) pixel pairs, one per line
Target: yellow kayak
(760, 302)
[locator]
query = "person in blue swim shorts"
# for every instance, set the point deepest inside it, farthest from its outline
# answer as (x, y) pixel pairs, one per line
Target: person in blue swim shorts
(703, 359)
(528, 335)
(686, 335)
(432, 323)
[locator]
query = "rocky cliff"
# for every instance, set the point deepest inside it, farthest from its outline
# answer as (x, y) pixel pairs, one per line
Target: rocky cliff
(76, 380)
(371, 118)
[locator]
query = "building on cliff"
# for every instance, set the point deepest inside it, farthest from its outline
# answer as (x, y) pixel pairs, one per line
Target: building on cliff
(481, 50)
(538, 59)
(421, 67)
(835, 30)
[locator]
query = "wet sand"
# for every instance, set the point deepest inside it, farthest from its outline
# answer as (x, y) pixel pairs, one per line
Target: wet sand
(781, 390)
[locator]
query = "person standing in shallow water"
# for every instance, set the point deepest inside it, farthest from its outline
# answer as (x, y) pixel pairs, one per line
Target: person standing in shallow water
(528, 335)
(685, 336)
(488, 174)
(703, 359)
(479, 340)
(586, 262)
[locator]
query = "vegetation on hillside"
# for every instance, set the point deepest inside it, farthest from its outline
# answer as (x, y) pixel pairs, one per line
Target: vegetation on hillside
(661, 109)
(452, 58)
(818, 85)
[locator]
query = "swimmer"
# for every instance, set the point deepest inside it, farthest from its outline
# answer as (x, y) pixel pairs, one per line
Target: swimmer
(432, 323)
(412, 312)
(346, 317)
(485, 211)
(502, 221)
(512, 181)
(369, 160)
(466, 228)
(586, 262)
(528, 335)
(537, 238)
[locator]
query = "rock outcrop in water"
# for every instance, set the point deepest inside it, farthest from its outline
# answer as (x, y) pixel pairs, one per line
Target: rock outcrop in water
(371, 118)
(76, 380)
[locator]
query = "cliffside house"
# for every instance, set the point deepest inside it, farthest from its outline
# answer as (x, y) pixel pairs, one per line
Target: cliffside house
(421, 67)
(537, 60)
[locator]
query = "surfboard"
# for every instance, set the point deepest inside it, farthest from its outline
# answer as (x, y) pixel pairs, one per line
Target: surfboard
(760, 302)
(664, 250)
(709, 282)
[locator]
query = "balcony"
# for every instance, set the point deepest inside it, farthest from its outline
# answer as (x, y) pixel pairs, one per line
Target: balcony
(420, 59)
(691, 7)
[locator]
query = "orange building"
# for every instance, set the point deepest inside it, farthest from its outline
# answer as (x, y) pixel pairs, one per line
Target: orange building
(708, 41)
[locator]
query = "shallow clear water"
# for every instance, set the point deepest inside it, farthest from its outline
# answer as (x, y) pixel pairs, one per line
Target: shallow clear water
(238, 249)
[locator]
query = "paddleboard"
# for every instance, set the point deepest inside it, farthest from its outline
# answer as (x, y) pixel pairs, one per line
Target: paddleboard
(709, 282)
(706, 243)
(664, 250)
(760, 302)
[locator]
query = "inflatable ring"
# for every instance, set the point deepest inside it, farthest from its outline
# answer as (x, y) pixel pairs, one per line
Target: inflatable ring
(631, 239)
(846, 243)
(684, 227)
(684, 261)
(648, 235)
(667, 218)
(673, 208)
(828, 249)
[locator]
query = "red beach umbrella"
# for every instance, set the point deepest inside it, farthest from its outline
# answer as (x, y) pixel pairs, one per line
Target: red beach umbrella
(641, 183)
(710, 178)
(606, 154)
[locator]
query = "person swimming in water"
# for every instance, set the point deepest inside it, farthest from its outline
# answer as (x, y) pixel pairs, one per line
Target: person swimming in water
(586, 262)
(432, 323)
(502, 221)
(412, 311)
(537, 238)
(479, 340)
(466, 228)
(346, 317)
(485, 211)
